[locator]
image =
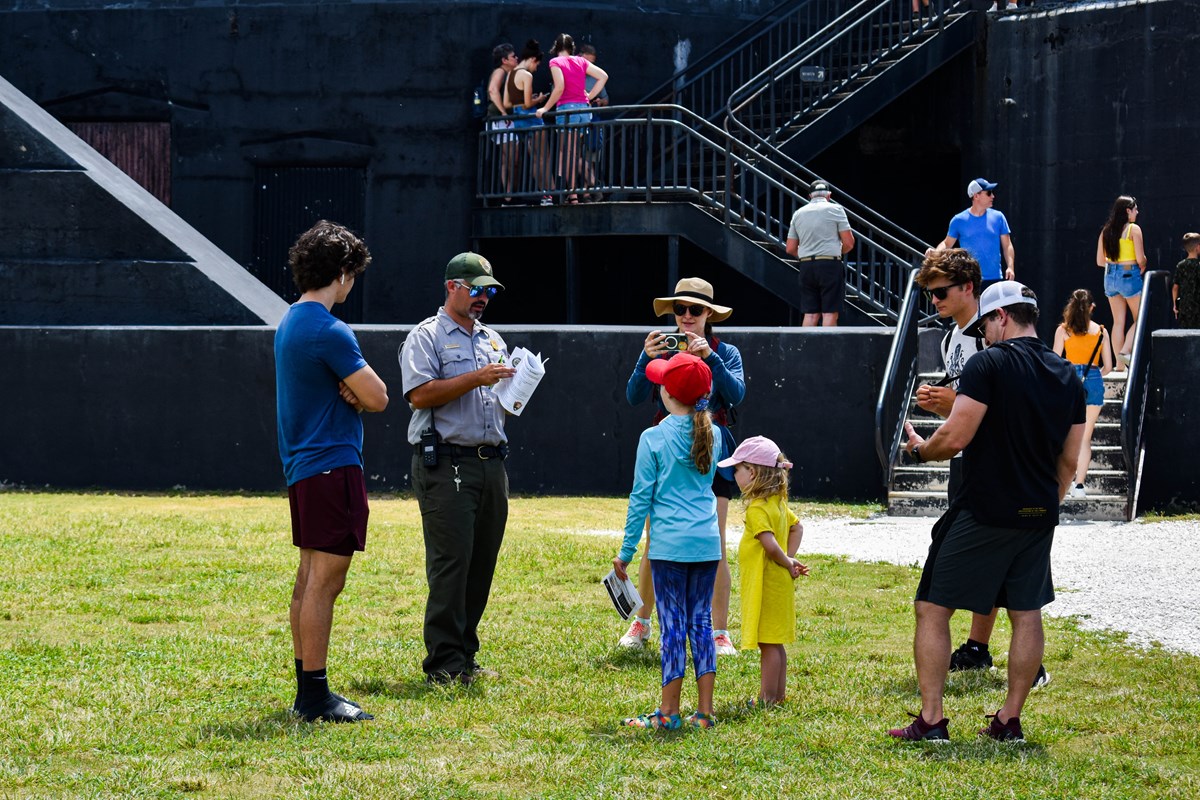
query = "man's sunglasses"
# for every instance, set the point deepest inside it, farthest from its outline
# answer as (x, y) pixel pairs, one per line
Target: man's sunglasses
(695, 311)
(941, 291)
(475, 291)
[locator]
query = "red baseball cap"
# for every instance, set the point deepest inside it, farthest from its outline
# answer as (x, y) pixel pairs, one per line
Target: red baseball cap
(686, 376)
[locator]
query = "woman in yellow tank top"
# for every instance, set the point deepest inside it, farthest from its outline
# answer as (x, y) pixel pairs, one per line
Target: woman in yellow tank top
(1085, 344)
(1119, 251)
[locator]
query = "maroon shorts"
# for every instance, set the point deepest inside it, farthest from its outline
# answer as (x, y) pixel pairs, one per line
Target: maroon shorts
(329, 511)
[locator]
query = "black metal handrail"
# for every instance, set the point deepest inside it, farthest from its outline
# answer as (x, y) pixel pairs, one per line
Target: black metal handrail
(825, 68)
(1155, 313)
(705, 84)
(669, 152)
(899, 381)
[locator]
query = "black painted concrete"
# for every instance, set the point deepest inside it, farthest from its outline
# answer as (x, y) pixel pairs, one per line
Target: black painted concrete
(103, 415)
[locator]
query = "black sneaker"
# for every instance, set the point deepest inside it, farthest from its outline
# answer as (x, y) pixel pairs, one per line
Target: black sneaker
(1042, 677)
(922, 731)
(333, 710)
(1003, 732)
(970, 656)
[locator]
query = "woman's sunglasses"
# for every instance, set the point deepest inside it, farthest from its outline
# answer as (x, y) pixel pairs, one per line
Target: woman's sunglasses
(941, 291)
(695, 311)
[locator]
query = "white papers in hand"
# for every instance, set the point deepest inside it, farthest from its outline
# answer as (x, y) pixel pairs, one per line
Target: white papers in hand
(623, 593)
(514, 393)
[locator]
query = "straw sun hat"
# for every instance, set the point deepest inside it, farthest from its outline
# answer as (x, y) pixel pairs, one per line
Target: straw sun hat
(692, 290)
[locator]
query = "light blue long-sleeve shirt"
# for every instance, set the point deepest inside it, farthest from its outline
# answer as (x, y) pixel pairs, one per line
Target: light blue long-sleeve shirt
(677, 497)
(728, 388)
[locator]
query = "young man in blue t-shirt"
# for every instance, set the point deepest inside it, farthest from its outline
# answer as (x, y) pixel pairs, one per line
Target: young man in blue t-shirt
(984, 233)
(322, 384)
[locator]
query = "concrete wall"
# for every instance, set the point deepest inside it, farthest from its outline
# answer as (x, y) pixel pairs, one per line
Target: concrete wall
(1170, 479)
(155, 408)
(1078, 107)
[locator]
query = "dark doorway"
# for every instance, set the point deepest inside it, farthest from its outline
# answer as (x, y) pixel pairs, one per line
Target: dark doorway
(287, 202)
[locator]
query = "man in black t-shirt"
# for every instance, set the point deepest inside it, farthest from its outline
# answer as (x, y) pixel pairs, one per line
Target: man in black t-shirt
(1018, 418)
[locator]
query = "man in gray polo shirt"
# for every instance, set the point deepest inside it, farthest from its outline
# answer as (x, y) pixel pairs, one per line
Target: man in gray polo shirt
(449, 366)
(819, 236)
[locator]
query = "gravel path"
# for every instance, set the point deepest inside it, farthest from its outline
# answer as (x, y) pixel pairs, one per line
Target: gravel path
(1135, 577)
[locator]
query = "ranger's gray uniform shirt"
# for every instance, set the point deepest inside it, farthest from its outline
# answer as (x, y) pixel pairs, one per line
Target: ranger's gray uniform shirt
(816, 228)
(439, 349)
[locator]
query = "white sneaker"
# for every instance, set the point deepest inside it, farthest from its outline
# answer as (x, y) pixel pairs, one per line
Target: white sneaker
(993, 8)
(1011, 7)
(636, 636)
(1077, 491)
(724, 644)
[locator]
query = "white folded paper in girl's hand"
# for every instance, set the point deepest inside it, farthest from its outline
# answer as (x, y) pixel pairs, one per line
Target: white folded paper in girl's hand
(623, 593)
(514, 393)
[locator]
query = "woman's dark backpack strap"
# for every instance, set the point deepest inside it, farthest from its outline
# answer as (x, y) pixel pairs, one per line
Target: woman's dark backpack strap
(1095, 352)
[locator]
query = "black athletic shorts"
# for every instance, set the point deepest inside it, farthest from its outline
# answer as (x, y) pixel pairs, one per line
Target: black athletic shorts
(822, 286)
(980, 567)
(329, 511)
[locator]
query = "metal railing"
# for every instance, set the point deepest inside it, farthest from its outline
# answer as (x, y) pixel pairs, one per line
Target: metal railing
(1155, 313)
(706, 84)
(899, 381)
(667, 152)
(826, 67)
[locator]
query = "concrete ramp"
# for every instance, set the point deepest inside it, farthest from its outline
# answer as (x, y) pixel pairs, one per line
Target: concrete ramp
(81, 243)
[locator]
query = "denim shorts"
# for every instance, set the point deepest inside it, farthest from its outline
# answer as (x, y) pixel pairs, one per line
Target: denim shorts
(1093, 384)
(1124, 280)
(573, 119)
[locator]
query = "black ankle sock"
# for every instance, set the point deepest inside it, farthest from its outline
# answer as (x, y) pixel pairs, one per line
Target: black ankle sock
(299, 683)
(977, 645)
(314, 688)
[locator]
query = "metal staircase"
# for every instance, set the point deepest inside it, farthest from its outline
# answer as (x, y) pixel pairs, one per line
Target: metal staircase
(836, 79)
(734, 173)
(919, 490)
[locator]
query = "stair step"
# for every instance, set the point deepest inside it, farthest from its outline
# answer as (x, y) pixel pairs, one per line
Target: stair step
(930, 504)
(935, 477)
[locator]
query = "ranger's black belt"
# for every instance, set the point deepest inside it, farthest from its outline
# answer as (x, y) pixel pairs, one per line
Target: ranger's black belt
(484, 452)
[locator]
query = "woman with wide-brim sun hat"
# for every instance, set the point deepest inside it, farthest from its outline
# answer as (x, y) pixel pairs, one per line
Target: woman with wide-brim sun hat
(694, 312)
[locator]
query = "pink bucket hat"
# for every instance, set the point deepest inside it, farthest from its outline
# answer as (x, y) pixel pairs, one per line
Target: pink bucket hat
(758, 450)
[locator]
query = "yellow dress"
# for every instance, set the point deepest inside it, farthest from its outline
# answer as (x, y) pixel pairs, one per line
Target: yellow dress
(767, 589)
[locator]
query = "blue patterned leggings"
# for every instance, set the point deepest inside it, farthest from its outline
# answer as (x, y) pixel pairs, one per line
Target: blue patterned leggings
(683, 592)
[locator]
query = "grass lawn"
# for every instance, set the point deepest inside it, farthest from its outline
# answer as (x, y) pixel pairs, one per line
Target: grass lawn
(144, 652)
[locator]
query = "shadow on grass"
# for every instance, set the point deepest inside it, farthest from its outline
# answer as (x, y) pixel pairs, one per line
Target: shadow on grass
(273, 726)
(980, 750)
(417, 689)
(958, 684)
(628, 657)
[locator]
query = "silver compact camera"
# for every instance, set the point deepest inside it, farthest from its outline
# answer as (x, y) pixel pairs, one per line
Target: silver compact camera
(675, 341)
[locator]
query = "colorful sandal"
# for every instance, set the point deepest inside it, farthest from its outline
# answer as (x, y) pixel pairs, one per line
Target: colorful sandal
(701, 720)
(656, 721)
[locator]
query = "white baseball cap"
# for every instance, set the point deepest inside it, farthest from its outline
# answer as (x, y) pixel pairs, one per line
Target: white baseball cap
(999, 295)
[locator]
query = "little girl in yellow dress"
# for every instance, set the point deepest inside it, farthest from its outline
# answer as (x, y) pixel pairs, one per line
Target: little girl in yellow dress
(767, 570)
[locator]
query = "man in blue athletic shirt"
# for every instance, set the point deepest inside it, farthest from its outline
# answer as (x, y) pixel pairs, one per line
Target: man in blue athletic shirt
(983, 232)
(322, 384)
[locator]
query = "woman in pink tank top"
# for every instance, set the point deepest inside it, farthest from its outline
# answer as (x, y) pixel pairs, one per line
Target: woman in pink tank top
(571, 99)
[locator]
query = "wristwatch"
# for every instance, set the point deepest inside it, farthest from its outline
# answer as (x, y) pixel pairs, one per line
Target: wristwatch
(916, 454)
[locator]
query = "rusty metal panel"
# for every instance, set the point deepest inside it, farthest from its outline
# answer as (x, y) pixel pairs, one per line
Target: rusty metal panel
(142, 150)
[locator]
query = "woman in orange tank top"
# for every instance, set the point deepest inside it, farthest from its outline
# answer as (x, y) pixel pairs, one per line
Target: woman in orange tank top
(1085, 344)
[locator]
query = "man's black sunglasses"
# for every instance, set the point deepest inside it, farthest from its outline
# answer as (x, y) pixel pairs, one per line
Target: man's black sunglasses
(941, 291)
(695, 311)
